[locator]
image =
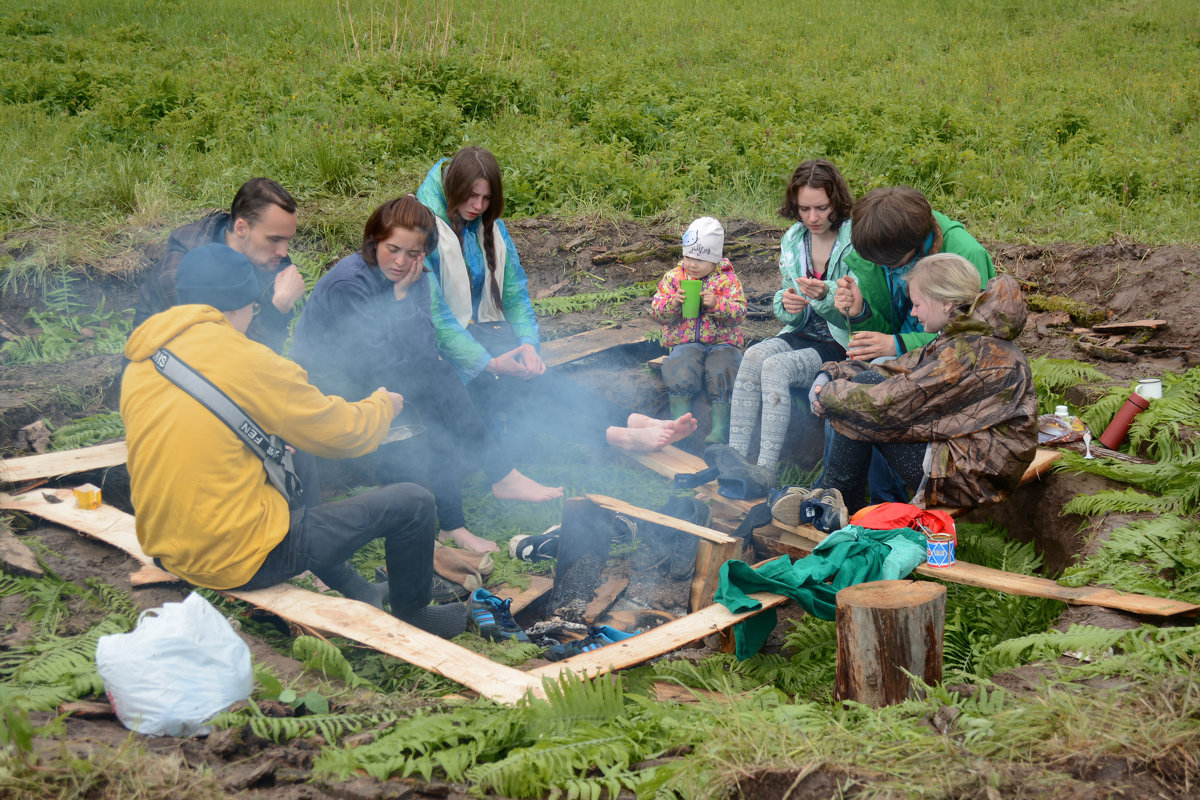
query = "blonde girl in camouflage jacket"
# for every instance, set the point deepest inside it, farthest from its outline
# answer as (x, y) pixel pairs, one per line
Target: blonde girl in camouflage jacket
(956, 418)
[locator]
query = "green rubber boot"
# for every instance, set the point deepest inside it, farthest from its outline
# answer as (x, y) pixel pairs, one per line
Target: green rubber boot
(680, 406)
(720, 423)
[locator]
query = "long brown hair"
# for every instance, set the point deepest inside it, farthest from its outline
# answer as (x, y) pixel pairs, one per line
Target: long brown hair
(458, 181)
(819, 174)
(404, 212)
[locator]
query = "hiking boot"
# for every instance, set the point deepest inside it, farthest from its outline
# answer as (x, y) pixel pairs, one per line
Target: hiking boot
(530, 548)
(825, 511)
(597, 637)
(493, 617)
(786, 503)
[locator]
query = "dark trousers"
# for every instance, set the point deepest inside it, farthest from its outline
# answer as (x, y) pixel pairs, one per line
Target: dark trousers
(693, 366)
(881, 476)
(456, 440)
(549, 403)
(322, 538)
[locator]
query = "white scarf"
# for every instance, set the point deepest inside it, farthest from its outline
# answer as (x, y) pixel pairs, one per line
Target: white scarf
(456, 278)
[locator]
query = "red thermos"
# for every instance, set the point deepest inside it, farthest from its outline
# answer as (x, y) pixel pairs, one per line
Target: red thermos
(1115, 433)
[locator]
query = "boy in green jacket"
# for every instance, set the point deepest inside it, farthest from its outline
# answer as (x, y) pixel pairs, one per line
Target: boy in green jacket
(891, 229)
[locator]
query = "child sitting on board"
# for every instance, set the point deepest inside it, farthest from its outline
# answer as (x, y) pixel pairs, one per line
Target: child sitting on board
(701, 305)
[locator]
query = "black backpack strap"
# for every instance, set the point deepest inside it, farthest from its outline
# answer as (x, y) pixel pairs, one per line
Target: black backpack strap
(270, 449)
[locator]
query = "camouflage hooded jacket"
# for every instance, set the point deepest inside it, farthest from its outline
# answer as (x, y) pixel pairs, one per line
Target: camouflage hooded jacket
(969, 393)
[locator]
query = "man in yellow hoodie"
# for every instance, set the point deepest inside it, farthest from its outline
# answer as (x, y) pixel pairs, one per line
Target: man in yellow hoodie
(205, 506)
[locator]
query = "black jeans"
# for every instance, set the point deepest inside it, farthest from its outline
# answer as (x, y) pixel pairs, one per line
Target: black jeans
(322, 538)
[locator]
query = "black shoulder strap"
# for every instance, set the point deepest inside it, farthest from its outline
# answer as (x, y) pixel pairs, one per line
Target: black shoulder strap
(272, 450)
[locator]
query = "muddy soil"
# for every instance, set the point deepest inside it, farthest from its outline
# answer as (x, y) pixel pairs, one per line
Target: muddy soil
(1120, 282)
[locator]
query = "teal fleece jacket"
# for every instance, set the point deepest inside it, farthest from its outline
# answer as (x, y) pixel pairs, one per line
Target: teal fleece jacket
(886, 307)
(844, 558)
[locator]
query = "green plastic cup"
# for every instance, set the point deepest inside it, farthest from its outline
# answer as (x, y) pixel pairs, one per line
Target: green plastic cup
(691, 298)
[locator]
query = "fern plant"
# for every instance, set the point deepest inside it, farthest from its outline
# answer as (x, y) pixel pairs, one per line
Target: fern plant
(1158, 556)
(1053, 376)
(87, 431)
(586, 301)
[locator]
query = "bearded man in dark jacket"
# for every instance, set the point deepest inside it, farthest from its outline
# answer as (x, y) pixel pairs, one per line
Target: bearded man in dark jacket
(259, 225)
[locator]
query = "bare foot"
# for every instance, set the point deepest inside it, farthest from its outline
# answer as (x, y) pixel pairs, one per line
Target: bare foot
(639, 440)
(642, 421)
(682, 428)
(515, 486)
(464, 538)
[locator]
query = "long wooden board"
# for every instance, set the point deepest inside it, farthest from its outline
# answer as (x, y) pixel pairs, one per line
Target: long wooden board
(572, 348)
(65, 462)
(333, 615)
(663, 639)
(803, 538)
(363, 623)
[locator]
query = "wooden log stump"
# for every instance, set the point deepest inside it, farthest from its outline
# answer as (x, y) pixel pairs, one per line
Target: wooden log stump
(883, 629)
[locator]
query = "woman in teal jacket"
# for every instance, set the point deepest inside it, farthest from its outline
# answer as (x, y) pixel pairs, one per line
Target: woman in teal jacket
(813, 256)
(485, 325)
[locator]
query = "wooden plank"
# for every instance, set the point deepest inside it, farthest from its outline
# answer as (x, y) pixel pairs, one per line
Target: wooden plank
(151, 575)
(674, 523)
(65, 462)
(539, 587)
(605, 596)
(663, 639)
(572, 348)
(709, 558)
(656, 363)
(803, 538)
(1134, 325)
(338, 616)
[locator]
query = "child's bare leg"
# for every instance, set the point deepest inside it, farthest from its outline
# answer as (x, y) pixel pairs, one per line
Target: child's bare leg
(515, 486)
(464, 538)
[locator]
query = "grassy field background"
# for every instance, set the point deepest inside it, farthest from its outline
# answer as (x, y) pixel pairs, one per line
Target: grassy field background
(1071, 120)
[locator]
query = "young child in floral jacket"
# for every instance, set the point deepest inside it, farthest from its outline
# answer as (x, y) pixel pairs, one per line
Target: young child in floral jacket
(705, 350)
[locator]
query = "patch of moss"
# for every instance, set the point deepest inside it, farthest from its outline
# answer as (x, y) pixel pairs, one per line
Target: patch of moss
(1081, 313)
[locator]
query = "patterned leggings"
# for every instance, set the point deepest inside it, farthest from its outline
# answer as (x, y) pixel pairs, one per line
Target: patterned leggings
(769, 371)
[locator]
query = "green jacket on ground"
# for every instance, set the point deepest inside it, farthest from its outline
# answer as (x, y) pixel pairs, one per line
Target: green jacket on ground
(886, 306)
(844, 558)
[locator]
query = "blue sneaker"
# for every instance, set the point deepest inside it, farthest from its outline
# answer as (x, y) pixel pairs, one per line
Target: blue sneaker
(597, 637)
(493, 618)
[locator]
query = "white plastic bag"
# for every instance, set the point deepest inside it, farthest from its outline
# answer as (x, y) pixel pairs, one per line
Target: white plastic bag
(179, 667)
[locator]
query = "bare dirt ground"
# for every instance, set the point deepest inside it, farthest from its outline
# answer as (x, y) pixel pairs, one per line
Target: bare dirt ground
(1117, 282)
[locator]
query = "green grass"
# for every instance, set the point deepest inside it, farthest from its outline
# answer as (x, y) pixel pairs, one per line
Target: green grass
(1068, 120)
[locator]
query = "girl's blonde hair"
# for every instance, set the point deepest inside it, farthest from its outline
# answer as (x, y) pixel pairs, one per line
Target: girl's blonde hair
(946, 278)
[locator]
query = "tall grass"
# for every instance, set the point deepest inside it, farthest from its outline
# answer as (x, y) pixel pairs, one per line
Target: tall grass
(1032, 122)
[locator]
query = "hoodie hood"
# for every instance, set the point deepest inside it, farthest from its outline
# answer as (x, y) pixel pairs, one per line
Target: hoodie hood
(161, 328)
(431, 194)
(998, 311)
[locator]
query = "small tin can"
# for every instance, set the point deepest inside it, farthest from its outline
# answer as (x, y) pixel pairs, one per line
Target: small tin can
(939, 549)
(87, 496)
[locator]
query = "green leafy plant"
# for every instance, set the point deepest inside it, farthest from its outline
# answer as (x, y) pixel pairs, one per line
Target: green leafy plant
(87, 431)
(586, 301)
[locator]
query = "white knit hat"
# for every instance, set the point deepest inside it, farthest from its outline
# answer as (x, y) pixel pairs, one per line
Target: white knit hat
(704, 240)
